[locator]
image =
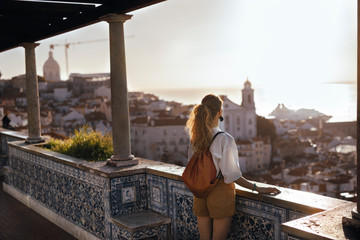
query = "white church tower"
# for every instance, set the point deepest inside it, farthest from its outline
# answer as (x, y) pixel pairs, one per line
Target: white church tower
(51, 69)
(240, 120)
(249, 104)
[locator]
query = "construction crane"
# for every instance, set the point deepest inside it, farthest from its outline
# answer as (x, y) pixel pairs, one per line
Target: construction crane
(67, 45)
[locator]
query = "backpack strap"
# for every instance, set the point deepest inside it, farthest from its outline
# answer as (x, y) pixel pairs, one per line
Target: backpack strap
(215, 137)
(220, 173)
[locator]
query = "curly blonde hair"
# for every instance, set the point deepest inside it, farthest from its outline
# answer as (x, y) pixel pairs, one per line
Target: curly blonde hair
(199, 125)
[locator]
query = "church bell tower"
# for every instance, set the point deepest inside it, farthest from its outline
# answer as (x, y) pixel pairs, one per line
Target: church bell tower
(248, 96)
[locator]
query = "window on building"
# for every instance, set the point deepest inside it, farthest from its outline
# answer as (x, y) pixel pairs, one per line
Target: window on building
(238, 120)
(250, 121)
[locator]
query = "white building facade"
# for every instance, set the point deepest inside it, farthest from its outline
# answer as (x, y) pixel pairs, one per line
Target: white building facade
(160, 139)
(62, 94)
(254, 154)
(240, 120)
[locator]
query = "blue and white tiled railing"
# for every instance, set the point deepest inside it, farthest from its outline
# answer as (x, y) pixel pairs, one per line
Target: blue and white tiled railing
(89, 195)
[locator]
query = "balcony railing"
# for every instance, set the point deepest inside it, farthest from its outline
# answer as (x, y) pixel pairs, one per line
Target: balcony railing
(149, 200)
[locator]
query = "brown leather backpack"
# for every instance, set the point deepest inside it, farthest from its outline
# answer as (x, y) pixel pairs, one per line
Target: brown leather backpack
(200, 173)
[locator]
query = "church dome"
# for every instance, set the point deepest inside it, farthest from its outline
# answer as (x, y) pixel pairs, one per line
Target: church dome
(247, 84)
(51, 69)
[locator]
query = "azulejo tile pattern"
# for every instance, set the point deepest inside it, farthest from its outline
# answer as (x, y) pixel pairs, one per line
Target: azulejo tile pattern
(76, 195)
(252, 227)
(128, 194)
(89, 200)
(4, 142)
(4, 145)
(295, 215)
(157, 194)
(184, 224)
(156, 233)
(3, 161)
(257, 220)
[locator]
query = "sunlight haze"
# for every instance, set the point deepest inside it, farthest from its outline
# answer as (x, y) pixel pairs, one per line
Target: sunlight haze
(298, 52)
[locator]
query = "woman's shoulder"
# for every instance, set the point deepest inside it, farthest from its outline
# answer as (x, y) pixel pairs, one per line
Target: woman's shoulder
(224, 135)
(223, 141)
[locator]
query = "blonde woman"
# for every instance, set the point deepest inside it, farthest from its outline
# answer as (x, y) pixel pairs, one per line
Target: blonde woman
(214, 213)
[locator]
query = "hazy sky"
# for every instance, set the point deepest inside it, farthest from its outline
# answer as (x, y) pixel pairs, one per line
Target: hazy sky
(298, 52)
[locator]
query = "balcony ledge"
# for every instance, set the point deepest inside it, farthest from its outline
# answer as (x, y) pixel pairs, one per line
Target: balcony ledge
(324, 225)
(15, 134)
(326, 213)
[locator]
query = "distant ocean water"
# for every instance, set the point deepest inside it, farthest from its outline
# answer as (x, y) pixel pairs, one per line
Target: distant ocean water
(336, 100)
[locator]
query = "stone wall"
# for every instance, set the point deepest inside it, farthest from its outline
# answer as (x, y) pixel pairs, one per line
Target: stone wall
(76, 195)
(5, 137)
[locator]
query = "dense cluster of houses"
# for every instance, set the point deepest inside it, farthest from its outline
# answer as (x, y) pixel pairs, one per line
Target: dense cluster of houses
(308, 154)
(157, 126)
(311, 155)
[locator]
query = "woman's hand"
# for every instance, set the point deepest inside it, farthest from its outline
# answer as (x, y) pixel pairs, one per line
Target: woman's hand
(268, 190)
(252, 186)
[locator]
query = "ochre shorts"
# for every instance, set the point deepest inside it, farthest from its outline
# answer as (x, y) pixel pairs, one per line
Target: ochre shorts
(220, 203)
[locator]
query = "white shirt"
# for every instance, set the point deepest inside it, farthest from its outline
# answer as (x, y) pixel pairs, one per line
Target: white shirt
(225, 156)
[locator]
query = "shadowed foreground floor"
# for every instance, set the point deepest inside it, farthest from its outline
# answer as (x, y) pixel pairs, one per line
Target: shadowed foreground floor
(18, 222)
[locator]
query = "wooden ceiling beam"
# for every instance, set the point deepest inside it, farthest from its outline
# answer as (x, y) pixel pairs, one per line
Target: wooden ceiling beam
(34, 21)
(15, 7)
(83, 1)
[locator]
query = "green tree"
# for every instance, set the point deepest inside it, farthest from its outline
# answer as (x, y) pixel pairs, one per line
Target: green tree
(265, 128)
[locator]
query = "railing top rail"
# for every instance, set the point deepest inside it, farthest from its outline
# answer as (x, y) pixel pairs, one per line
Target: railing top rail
(15, 134)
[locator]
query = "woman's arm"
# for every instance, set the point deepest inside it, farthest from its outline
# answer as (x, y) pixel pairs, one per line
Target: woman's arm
(252, 186)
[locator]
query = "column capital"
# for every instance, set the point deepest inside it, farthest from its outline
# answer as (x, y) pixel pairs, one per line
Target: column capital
(110, 18)
(29, 45)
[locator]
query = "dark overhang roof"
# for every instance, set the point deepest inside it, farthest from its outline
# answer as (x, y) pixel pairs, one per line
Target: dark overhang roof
(33, 20)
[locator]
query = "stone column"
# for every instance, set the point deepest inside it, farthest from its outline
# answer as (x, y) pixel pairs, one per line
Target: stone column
(356, 211)
(119, 94)
(32, 95)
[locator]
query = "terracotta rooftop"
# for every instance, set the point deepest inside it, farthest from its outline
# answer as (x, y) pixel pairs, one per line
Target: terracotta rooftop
(169, 122)
(276, 170)
(301, 171)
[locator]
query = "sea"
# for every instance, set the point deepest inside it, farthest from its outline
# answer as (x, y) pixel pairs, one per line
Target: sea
(335, 100)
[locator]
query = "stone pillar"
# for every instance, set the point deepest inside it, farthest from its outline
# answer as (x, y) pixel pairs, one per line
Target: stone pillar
(356, 211)
(119, 94)
(32, 95)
